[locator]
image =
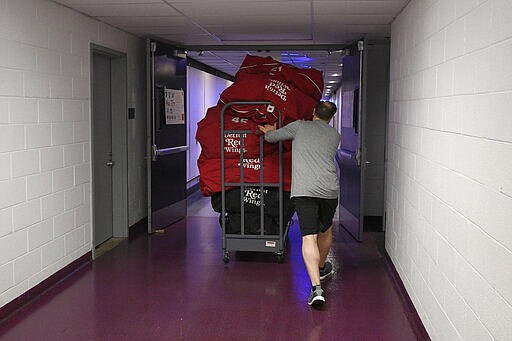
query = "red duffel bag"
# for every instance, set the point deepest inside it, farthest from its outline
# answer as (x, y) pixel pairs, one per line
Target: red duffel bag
(309, 81)
(210, 172)
(208, 135)
(259, 113)
(259, 87)
(252, 65)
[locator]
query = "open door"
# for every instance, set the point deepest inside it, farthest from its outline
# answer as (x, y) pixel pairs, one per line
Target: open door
(167, 136)
(365, 83)
(351, 150)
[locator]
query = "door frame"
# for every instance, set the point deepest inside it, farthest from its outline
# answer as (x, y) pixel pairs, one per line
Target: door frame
(119, 140)
(361, 47)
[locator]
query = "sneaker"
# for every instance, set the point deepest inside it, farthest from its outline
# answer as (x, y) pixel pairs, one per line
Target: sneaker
(316, 297)
(326, 271)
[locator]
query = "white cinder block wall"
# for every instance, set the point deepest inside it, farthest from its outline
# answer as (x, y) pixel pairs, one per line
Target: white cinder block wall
(45, 161)
(449, 169)
(137, 172)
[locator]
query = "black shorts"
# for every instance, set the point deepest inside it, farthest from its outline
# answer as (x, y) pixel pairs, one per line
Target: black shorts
(315, 214)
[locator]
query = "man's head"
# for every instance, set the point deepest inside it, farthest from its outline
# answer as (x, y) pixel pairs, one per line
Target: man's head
(325, 110)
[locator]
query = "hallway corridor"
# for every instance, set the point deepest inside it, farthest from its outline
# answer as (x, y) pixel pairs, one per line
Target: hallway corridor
(175, 286)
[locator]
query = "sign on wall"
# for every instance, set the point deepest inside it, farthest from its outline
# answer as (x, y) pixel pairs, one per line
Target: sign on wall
(174, 106)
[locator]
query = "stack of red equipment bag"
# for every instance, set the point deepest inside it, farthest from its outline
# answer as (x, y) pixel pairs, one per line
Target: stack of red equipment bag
(293, 91)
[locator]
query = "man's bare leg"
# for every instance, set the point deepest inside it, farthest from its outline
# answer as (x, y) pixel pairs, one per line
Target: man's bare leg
(311, 256)
(324, 245)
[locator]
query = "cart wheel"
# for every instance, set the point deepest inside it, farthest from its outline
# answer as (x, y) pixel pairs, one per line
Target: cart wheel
(280, 258)
(226, 257)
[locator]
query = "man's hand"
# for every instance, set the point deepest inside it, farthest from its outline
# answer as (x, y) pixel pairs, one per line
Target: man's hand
(267, 127)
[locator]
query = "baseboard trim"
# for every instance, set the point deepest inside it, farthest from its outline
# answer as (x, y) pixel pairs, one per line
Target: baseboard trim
(410, 310)
(168, 215)
(192, 189)
(138, 229)
(21, 301)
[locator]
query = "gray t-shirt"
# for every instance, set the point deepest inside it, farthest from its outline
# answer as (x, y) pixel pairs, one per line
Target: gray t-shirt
(314, 147)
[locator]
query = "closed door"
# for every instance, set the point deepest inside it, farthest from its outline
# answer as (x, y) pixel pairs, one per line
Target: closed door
(102, 148)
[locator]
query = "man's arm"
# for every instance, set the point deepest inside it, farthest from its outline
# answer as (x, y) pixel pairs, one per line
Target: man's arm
(274, 135)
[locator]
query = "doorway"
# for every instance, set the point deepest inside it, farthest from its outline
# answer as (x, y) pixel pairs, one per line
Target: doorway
(108, 147)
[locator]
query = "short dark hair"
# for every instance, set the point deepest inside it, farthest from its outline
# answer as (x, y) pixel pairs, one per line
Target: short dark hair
(325, 110)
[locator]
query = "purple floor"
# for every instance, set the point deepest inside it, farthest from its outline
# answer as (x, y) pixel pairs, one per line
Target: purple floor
(175, 286)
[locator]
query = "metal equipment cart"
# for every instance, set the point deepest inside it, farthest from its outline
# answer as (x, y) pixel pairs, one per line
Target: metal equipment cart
(250, 242)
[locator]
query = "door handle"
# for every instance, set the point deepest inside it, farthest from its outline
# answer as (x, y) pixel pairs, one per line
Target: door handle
(367, 162)
(167, 151)
(110, 163)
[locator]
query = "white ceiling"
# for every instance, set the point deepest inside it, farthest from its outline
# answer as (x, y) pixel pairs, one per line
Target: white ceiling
(306, 33)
